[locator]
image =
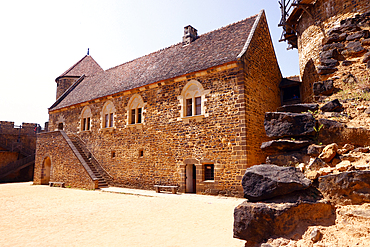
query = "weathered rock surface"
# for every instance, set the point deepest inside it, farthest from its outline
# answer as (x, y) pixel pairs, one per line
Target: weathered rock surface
(323, 87)
(256, 222)
(262, 182)
(353, 48)
(280, 124)
(315, 150)
(325, 70)
(329, 152)
(286, 159)
(345, 149)
(298, 108)
(316, 164)
(346, 188)
(333, 105)
(284, 145)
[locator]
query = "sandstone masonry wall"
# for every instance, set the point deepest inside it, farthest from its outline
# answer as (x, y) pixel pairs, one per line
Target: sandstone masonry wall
(262, 94)
(327, 14)
(227, 134)
(65, 166)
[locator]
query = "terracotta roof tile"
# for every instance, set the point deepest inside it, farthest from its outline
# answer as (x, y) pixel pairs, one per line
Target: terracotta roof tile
(211, 49)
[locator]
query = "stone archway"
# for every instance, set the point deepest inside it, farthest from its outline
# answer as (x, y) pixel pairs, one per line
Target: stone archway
(45, 172)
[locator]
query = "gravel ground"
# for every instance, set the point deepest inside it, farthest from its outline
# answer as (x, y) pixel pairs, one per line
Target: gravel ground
(35, 215)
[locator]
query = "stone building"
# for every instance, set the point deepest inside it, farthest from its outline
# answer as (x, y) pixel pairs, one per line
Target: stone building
(17, 151)
(189, 115)
(332, 38)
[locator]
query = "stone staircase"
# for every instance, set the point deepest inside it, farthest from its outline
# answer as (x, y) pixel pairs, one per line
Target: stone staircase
(103, 177)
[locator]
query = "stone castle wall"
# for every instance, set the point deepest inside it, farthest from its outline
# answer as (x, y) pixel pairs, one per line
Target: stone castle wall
(165, 139)
(63, 84)
(65, 166)
(262, 94)
(326, 15)
(228, 133)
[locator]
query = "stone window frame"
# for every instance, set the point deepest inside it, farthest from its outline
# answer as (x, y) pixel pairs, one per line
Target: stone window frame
(60, 121)
(212, 166)
(85, 119)
(193, 90)
(136, 104)
(107, 116)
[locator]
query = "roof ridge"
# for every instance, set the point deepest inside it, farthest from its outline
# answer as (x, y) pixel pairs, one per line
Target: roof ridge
(173, 45)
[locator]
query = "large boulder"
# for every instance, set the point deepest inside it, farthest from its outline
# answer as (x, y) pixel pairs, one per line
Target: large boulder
(284, 145)
(283, 124)
(346, 188)
(256, 222)
(323, 87)
(298, 108)
(263, 182)
(332, 106)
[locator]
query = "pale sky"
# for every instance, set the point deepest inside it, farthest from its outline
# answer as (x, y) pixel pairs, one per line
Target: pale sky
(41, 39)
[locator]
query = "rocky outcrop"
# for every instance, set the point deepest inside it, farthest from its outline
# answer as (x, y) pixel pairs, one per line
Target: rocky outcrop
(284, 145)
(285, 159)
(298, 108)
(346, 187)
(256, 222)
(323, 87)
(263, 182)
(281, 124)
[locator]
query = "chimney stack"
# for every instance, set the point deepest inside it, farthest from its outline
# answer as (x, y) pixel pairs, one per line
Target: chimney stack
(190, 34)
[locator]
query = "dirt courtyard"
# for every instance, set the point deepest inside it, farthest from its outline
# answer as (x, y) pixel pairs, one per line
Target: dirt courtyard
(36, 215)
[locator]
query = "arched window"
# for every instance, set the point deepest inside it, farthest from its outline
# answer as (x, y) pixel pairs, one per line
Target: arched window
(107, 115)
(135, 110)
(192, 100)
(86, 119)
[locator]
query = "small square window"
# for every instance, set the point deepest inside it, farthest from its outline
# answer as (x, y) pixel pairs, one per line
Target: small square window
(209, 172)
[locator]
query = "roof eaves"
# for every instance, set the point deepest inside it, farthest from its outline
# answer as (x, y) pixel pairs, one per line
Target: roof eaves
(251, 33)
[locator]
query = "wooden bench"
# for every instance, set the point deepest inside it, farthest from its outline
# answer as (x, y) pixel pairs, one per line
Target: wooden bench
(172, 187)
(61, 184)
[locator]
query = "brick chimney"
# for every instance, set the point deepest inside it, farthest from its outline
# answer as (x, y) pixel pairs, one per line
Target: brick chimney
(190, 34)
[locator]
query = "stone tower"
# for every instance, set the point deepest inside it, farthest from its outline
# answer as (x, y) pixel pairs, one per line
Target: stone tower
(85, 67)
(332, 38)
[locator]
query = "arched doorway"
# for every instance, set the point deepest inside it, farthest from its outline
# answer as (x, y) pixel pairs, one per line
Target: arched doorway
(45, 172)
(190, 178)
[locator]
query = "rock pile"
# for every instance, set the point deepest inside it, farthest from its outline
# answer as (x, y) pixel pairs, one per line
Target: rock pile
(302, 181)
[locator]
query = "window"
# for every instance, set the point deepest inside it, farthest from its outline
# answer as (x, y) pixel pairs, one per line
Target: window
(108, 115)
(135, 109)
(192, 100)
(86, 119)
(113, 154)
(60, 126)
(209, 172)
(141, 153)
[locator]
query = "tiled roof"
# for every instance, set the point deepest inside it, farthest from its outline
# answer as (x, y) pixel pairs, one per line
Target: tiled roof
(87, 66)
(208, 50)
